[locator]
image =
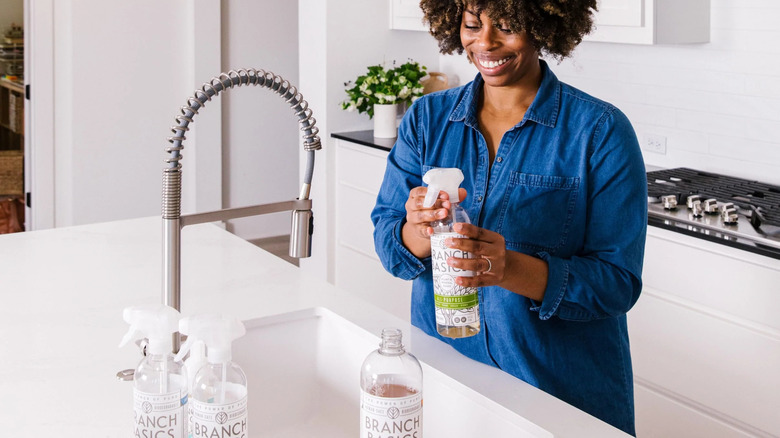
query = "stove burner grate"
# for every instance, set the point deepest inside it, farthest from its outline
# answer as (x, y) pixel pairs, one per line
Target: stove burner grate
(748, 195)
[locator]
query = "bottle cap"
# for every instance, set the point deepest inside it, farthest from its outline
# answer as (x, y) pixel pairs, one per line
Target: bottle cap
(216, 331)
(442, 179)
(156, 323)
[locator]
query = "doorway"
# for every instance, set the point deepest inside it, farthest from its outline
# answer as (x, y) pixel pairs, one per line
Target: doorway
(12, 116)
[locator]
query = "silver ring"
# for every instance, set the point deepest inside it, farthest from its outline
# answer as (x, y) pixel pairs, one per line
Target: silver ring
(490, 265)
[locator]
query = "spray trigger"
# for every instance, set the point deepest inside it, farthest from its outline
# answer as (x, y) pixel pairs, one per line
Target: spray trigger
(442, 179)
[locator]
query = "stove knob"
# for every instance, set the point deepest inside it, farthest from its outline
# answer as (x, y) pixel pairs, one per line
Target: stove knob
(696, 209)
(711, 206)
(729, 216)
(726, 206)
(691, 199)
(670, 202)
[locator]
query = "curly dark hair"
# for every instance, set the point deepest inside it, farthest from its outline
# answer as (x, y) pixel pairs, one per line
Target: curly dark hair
(555, 27)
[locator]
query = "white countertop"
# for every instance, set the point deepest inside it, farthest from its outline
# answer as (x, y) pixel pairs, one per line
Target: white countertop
(63, 292)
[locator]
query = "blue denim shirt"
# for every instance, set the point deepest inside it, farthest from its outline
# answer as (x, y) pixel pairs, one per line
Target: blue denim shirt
(568, 186)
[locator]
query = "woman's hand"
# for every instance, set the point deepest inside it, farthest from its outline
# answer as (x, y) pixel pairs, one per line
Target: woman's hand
(489, 251)
(417, 229)
(495, 266)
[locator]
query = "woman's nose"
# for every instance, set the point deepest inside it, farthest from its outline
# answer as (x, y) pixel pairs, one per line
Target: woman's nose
(486, 38)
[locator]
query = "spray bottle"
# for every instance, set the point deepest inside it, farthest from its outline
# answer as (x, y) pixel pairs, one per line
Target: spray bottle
(457, 307)
(159, 382)
(218, 402)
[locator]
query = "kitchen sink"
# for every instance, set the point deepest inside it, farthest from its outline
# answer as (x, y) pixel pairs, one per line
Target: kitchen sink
(303, 371)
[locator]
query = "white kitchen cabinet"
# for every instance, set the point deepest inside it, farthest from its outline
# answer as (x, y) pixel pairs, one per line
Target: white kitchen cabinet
(705, 340)
(652, 22)
(406, 15)
(359, 173)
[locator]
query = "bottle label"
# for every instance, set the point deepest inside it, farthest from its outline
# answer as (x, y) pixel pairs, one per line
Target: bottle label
(456, 305)
(213, 420)
(390, 417)
(158, 415)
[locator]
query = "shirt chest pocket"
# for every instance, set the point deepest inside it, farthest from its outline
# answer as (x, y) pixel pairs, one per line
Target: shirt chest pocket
(537, 211)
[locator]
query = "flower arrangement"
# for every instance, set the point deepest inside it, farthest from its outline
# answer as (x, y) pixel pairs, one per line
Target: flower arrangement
(384, 86)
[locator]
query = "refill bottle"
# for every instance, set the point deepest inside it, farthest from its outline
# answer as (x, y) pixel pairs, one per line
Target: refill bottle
(391, 397)
(218, 401)
(457, 307)
(159, 382)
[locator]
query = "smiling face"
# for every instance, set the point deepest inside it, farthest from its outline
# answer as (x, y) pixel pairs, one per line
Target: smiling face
(504, 58)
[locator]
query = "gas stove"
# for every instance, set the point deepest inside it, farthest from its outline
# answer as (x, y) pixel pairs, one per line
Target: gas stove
(732, 211)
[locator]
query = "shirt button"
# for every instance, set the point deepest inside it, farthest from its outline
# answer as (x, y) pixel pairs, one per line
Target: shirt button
(499, 159)
(479, 198)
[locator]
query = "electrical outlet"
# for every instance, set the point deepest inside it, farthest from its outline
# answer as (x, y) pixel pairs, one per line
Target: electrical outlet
(655, 143)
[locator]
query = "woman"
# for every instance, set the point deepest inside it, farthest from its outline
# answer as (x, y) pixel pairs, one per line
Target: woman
(555, 187)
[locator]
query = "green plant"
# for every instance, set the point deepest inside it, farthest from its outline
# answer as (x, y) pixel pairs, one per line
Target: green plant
(382, 86)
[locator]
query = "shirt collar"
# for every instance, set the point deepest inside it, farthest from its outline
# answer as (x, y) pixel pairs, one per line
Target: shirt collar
(543, 110)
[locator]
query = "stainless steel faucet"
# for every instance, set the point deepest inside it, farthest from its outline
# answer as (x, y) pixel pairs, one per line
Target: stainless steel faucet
(173, 221)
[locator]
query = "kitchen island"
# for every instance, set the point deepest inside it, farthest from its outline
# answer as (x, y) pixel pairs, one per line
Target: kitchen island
(63, 292)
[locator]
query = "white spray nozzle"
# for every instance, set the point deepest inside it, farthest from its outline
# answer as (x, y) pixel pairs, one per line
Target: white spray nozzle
(216, 331)
(156, 323)
(442, 179)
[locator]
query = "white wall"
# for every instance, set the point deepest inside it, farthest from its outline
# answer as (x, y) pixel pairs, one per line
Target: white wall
(717, 104)
(339, 39)
(118, 82)
(260, 141)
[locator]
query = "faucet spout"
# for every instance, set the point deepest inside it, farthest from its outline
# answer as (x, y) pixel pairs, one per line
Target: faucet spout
(173, 221)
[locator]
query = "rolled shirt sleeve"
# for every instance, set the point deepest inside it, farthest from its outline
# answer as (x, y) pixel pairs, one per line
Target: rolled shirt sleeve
(604, 279)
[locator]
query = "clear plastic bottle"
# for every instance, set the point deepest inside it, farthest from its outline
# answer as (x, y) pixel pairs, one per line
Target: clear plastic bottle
(218, 399)
(391, 391)
(457, 307)
(159, 382)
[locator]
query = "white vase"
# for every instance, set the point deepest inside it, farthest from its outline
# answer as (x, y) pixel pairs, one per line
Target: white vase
(384, 120)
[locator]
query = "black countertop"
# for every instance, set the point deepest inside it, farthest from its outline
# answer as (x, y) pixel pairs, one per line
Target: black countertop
(366, 138)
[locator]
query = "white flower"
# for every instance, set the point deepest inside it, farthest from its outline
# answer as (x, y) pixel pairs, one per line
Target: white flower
(359, 101)
(351, 107)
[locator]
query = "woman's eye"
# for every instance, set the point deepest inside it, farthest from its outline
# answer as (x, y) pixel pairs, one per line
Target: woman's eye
(471, 26)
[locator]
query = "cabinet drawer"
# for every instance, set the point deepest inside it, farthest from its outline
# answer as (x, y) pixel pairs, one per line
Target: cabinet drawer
(353, 224)
(718, 365)
(726, 279)
(658, 416)
(360, 166)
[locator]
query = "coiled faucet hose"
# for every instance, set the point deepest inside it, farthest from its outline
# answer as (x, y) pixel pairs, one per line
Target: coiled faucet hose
(234, 78)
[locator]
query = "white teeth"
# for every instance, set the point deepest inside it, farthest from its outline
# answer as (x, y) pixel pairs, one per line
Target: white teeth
(492, 64)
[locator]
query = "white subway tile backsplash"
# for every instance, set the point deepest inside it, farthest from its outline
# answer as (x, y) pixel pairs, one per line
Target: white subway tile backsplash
(763, 5)
(767, 86)
(753, 41)
(741, 149)
(647, 114)
(744, 18)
